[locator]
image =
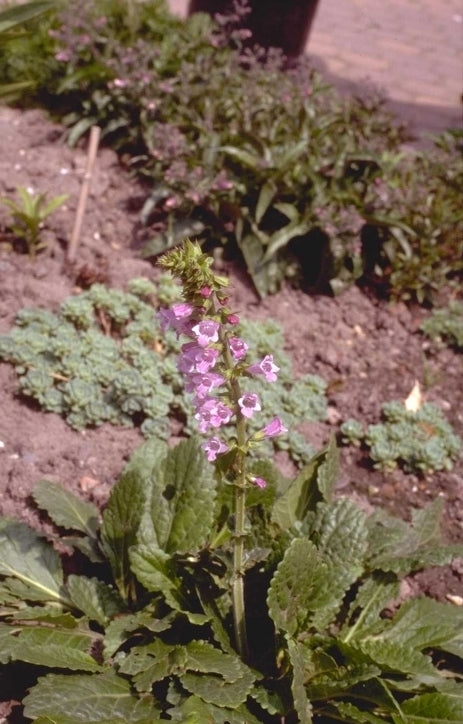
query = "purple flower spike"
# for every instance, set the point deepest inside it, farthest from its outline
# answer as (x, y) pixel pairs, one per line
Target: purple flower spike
(214, 447)
(206, 332)
(202, 385)
(265, 367)
(274, 427)
(249, 404)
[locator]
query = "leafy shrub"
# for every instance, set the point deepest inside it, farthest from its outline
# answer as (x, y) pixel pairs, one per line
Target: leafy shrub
(421, 441)
(103, 358)
(446, 325)
(142, 632)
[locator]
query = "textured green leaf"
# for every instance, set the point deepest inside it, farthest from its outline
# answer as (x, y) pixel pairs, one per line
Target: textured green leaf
(328, 471)
(197, 711)
(400, 547)
(153, 662)
(56, 648)
(121, 629)
(8, 642)
(65, 509)
(424, 623)
(301, 495)
(155, 571)
(216, 690)
(94, 598)
(121, 521)
(302, 704)
(392, 658)
(205, 658)
(350, 713)
(341, 536)
(88, 699)
(25, 556)
(372, 598)
(293, 592)
(182, 494)
(433, 709)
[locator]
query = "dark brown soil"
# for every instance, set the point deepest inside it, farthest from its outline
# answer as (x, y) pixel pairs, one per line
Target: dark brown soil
(368, 351)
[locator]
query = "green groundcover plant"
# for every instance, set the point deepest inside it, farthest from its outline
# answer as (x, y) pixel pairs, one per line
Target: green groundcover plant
(446, 325)
(239, 151)
(211, 589)
(418, 440)
(103, 358)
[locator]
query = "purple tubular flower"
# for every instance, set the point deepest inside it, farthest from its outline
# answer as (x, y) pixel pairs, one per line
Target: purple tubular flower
(197, 359)
(274, 427)
(214, 447)
(212, 413)
(206, 332)
(249, 404)
(265, 367)
(260, 482)
(202, 385)
(238, 347)
(176, 317)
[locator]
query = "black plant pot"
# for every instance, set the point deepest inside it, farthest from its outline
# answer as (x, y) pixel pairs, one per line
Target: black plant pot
(281, 24)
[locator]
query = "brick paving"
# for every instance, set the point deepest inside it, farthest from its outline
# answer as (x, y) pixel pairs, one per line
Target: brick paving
(411, 49)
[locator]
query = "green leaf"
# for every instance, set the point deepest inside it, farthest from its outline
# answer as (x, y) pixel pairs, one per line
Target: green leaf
(328, 471)
(293, 591)
(281, 237)
(340, 533)
(372, 598)
(424, 623)
(155, 571)
(351, 713)
(250, 160)
(65, 509)
(35, 565)
(181, 490)
(122, 628)
(152, 663)
(94, 598)
(433, 709)
(266, 196)
(55, 648)
(197, 711)
(304, 492)
(121, 521)
(85, 699)
(11, 17)
(218, 691)
(302, 704)
(8, 642)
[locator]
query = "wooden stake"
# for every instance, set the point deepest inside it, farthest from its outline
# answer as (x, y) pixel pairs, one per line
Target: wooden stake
(92, 151)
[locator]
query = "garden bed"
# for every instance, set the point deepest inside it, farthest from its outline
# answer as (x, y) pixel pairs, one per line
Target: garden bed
(368, 351)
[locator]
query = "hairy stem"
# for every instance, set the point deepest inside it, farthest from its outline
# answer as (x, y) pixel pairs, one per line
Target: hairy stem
(239, 613)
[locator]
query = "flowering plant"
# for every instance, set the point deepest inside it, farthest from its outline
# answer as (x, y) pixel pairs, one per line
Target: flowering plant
(214, 365)
(192, 533)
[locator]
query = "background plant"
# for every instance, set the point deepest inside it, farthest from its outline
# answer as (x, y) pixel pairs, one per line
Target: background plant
(446, 325)
(142, 632)
(29, 216)
(238, 151)
(103, 358)
(419, 441)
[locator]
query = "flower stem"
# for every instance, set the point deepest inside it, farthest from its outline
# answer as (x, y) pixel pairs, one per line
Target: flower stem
(238, 607)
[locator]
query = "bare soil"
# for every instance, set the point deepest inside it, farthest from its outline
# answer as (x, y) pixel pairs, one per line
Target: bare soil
(368, 351)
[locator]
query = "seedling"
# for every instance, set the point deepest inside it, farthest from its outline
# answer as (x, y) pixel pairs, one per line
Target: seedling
(29, 216)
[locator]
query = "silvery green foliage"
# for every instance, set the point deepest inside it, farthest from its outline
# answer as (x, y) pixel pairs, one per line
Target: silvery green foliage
(446, 325)
(148, 638)
(103, 358)
(421, 441)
